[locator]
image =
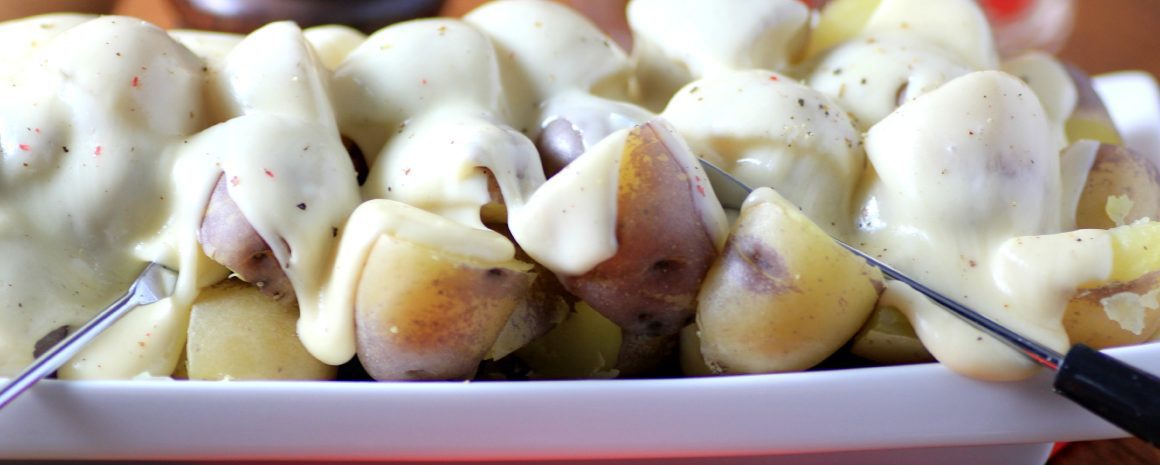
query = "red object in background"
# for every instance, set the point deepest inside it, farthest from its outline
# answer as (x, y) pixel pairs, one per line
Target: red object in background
(1005, 10)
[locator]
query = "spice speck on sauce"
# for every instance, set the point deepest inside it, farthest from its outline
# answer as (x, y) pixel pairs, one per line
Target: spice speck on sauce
(25, 147)
(97, 151)
(136, 81)
(234, 181)
(269, 174)
(302, 206)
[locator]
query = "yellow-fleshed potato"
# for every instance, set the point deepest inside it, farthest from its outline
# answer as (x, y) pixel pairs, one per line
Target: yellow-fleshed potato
(1125, 310)
(542, 308)
(888, 338)
(1122, 186)
(238, 333)
(584, 345)
(1090, 119)
(427, 314)
(665, 237)
(783, 296)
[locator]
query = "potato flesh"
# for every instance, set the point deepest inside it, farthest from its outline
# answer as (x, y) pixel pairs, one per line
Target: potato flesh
(1123, 310)
(840, 20)
(888, 338)
(238, 333)
(425, 314)
(585, 345)
(783, 296)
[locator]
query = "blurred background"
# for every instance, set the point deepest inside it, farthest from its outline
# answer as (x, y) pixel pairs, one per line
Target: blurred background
(1106, 35)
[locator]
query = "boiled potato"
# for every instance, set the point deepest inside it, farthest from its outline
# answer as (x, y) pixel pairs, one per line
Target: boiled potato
(666, 235)
(238, 333)
(888, 338)
(1090, 119)
(692, 363)
(1122, 186)
(422, 313)
(1124, 310)
(783, 296)
(584, 345)
(541, 309)
(840, 21)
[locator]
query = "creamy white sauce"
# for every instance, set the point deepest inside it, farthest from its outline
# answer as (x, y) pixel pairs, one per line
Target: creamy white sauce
(83, 176)
(957, 26)
(871, 76)
(545, 49)
(981, 142)
(769, 130)
(675, 42)
(1052, 84)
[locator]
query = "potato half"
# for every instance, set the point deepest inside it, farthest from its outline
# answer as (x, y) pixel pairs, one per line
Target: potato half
(238, 333)
(665, 233)
(783, 296)
(427, 314)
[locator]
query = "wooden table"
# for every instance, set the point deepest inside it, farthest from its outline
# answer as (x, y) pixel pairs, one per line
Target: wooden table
(1108, 36)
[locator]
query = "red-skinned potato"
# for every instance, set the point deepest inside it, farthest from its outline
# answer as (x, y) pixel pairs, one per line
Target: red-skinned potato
(228, 238)
(664, 244)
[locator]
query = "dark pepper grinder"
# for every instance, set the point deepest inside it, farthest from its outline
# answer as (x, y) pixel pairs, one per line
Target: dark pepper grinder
(243, 16)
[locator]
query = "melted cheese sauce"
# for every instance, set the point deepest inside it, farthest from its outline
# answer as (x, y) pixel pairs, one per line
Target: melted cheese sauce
(114, 133)
(997, 145)
(676, 42)
(769, 130)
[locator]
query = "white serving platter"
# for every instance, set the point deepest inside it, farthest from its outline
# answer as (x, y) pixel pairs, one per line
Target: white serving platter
(892, 415)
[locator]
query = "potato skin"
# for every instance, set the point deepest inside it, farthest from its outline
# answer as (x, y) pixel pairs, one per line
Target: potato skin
(1087, 323)
(1119, 171)
(664, 246)
(424, 314)
(783, 296)
(228, 238)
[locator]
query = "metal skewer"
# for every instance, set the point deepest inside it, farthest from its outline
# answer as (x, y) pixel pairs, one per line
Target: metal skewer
(1115, 391)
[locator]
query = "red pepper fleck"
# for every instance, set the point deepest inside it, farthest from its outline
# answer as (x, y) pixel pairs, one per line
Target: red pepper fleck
(37, 130)
(97, 151)
(772, 77)
(234, 181)
(269, 173)
(424, 82)
(25, 147)
(701, 190)
(136, 81)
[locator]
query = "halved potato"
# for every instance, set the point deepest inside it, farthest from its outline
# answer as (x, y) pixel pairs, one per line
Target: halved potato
(584, 345)
(427, 314)
(889, 338)
(1122, 186)
(666, 237)
(1125, 309)
(238, 333)
(784, 295)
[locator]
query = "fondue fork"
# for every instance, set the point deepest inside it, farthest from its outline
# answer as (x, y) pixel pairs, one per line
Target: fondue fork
(153, 284)
(1123, 395)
